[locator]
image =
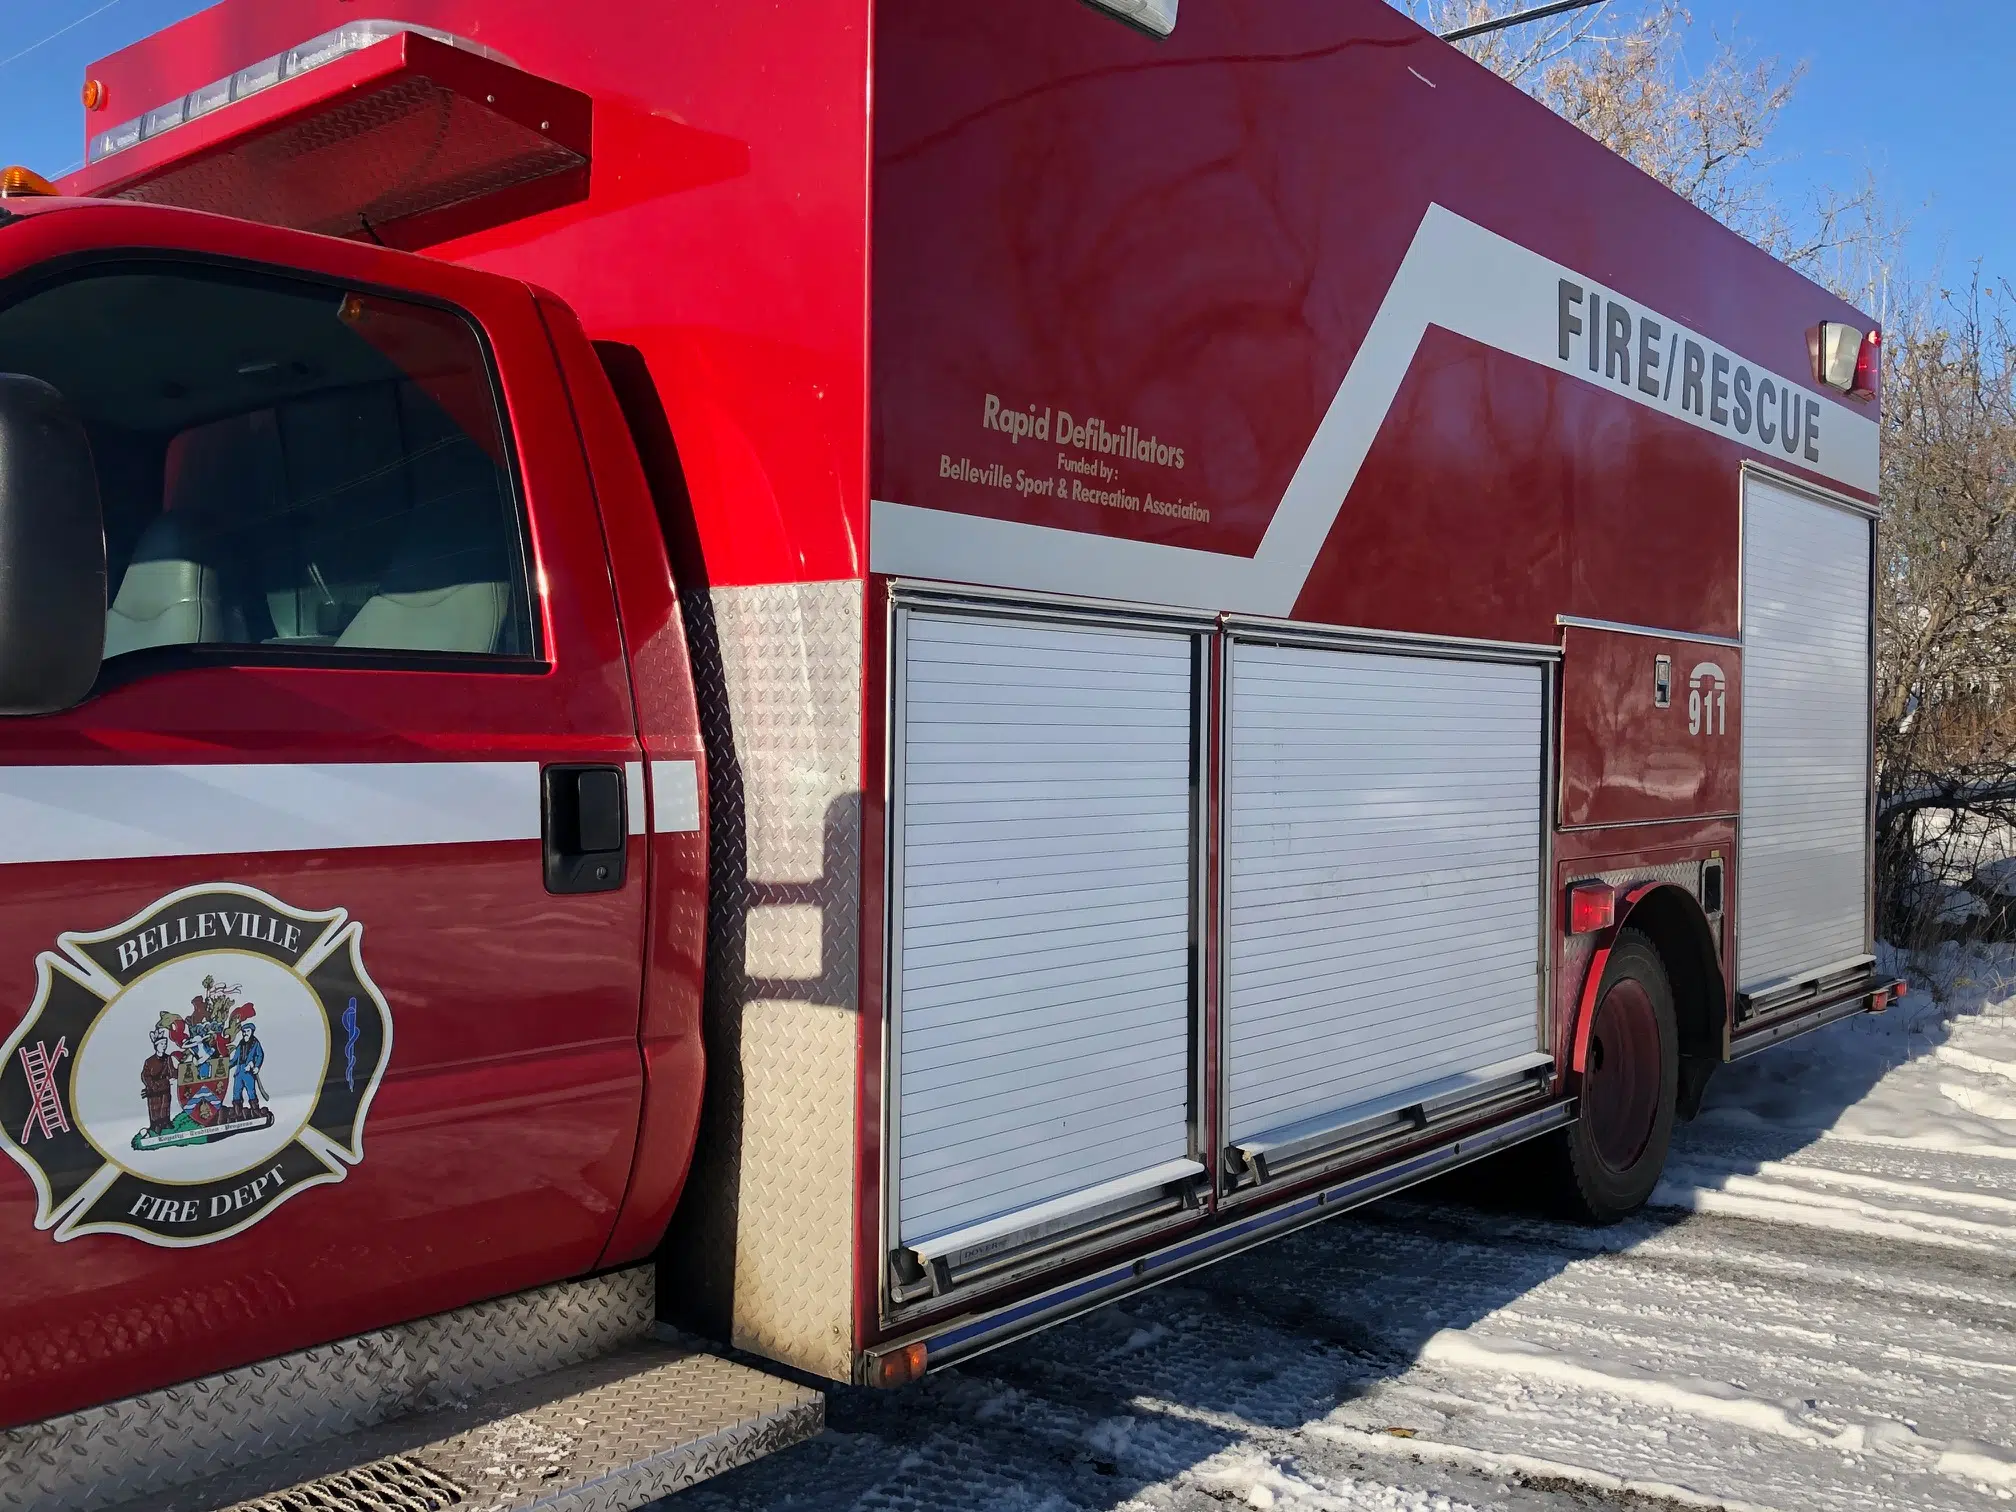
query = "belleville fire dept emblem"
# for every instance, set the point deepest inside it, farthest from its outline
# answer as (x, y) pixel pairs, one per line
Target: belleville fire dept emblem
(183, 1073)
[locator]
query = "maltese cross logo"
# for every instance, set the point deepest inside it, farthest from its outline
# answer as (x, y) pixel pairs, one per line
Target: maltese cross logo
(182, 1074)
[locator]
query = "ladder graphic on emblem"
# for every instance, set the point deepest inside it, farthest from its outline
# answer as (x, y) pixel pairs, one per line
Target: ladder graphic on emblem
(45, 1106)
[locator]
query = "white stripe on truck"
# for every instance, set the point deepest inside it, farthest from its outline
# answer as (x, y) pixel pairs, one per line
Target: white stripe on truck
(675, 797)
(633, 796)
(106, 813)
(110, 813)
(1456, 275)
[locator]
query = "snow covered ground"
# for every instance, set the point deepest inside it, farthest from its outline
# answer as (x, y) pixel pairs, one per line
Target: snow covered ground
(1819, 1314)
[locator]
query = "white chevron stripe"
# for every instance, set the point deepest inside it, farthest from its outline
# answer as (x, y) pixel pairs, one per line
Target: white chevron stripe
(1456, 275)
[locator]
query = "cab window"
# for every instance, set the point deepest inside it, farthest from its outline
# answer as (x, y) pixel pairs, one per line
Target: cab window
(287, 468)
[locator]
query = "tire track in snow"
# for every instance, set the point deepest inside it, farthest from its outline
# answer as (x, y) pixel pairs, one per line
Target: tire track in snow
(1823, 1320)
(1967, 1060)
(1916, 1193)
(1713, 1401)
(1744, 1196)
(1845, 1296)
(1978, 1101)
(1650, 1337)
(1278, 1382)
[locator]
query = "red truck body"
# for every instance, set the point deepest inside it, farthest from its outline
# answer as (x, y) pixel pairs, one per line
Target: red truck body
(904, 338)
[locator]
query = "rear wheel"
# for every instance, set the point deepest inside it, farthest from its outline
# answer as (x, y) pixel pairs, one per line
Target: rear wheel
(1608, 1161)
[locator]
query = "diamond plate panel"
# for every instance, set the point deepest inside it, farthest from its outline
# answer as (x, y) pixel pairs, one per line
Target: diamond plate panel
(778, 672)
(1577, 949)
(605, 1436)
(145, 1444)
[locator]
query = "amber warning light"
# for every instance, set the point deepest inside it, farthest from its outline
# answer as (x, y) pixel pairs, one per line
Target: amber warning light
(900, 1366)
(19, 183)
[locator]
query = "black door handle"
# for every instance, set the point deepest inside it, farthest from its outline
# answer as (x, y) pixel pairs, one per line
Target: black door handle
(584, 818)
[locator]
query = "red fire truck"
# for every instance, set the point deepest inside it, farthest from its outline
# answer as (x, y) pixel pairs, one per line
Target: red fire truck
(852, 677)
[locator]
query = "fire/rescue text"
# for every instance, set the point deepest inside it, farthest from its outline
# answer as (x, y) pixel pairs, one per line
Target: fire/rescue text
(1632, 350)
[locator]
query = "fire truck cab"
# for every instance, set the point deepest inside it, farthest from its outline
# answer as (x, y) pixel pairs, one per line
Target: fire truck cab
(842, 684)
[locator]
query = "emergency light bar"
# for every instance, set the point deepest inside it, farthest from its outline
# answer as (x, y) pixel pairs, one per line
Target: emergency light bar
(312, 54)
(377, 130)
(1156, 17)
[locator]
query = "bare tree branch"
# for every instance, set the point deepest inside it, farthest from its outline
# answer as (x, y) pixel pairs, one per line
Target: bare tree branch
(1945, 693)
(1518, 53)
(1701, 132)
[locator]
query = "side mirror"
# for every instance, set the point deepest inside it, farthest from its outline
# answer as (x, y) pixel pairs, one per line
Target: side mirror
(52, 552)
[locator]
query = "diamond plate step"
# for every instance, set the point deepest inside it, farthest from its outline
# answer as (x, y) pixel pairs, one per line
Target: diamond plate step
(606, 1436)
(643, 1409)
(94, 1459)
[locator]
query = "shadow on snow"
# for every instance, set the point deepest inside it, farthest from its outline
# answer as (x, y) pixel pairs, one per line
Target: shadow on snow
(1098, 1412)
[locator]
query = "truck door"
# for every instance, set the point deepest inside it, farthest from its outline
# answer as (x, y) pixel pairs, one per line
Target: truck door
(1802, 886)
(321, 917)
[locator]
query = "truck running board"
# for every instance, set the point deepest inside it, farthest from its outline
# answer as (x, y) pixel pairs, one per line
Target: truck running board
(607, 1436)
(571, 1396)
(1868, 994)
(963, 1338)
(1359, 1130)
(938, 1265)
(1795, 996)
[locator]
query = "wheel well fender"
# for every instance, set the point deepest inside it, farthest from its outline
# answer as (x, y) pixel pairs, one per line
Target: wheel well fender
(1672, 919)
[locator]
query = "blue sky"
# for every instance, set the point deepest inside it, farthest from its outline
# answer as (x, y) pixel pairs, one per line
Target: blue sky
(41, 121)
(1916, 91)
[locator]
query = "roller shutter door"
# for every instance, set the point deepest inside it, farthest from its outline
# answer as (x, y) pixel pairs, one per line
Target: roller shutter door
(1802, 887)
(1046, 876)
(1384, 862)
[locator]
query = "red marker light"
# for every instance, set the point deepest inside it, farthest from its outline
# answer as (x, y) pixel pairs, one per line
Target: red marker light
(1591, 906)
(1868, 367)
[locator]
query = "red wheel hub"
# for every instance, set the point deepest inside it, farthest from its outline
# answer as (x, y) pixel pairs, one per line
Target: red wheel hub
(1620, 1079)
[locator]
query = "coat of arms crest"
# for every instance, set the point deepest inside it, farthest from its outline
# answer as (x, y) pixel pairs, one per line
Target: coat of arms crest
(183, 1073)
(202, 1081)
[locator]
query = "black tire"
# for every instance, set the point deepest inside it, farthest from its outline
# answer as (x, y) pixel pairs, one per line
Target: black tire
(1606, 1164)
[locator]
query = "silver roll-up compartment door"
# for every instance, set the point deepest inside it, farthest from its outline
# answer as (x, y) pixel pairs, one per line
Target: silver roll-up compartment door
(1802, 883)
(1384, 861)
(1044, 891)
